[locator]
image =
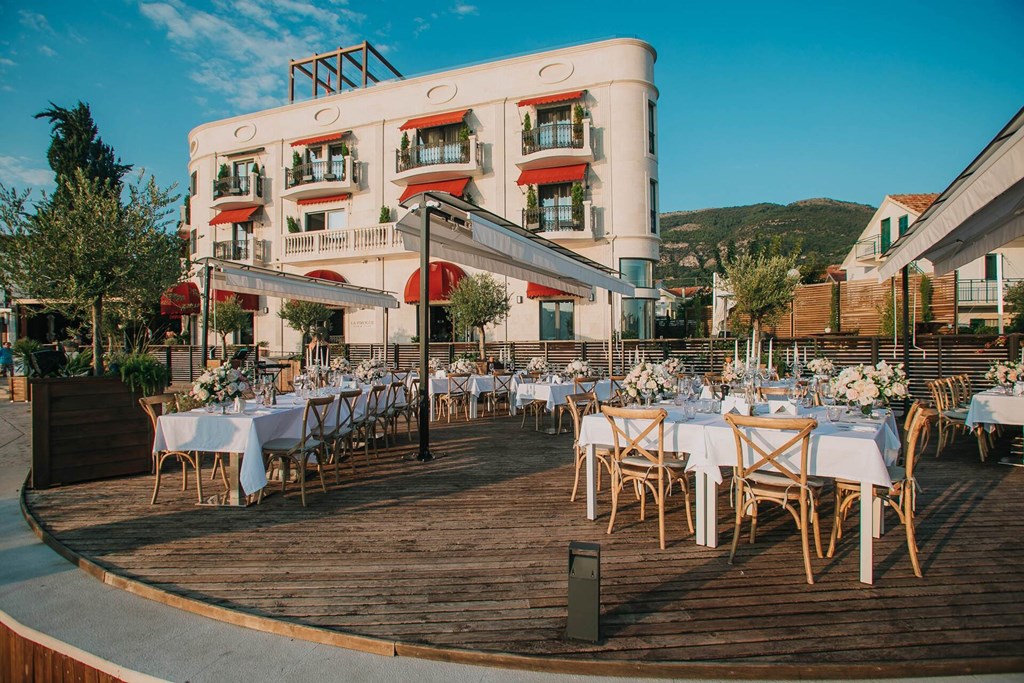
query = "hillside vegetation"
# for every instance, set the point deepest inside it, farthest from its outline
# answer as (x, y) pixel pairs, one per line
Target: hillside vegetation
(695, 242)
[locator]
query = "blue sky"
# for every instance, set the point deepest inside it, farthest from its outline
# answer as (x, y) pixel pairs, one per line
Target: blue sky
(760, 101)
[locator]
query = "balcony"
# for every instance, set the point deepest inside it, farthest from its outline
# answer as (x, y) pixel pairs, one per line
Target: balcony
(982, 292)
(251, 250)
(561, 222)
(237, 192)
(320, 179)
(441, 161)
(868, 250)
(372, 240)
(556, 144)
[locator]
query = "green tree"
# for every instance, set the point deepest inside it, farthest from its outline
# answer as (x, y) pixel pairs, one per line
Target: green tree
(84, 247)
(834, 317)
(1014, 301)
(925, 290)
(477, 301)
(304, 316)
(762, 286)
(76, 144)
(227, 316)
(890, 315)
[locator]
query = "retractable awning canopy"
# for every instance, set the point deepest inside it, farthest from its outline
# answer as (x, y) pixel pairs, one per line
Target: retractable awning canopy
(252, 280)
(981, 210)
(465, 233)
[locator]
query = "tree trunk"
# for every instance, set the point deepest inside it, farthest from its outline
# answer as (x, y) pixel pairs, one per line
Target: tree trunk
(97, 337)
(482, 344)
(755, 326)
(224, 348)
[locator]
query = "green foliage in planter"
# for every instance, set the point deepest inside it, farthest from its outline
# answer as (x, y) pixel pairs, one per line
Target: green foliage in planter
(464, 133)
(925, 289)
(141, 372)
(23, 350)
(577, 114)
(527, 123)
(79, 364)
(385, 215)
(577, 194)
(404, 146)
(833, 310)
(531, 197)
(255, 169)
(293, 225)
(223, 171)
(344, 150)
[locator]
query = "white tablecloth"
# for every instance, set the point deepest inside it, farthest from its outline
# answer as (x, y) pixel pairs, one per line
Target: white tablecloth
(990, 408)
(555, 394)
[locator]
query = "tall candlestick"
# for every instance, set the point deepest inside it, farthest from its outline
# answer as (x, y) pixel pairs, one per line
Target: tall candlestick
(736, 350)
(770, 366)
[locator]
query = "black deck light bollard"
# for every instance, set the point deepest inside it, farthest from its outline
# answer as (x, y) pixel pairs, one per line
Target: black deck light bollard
(584, 591)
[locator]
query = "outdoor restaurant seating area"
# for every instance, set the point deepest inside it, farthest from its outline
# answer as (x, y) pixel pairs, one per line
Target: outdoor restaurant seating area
(346, 531)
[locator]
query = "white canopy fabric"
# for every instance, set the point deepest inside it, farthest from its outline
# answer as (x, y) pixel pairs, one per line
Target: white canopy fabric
(466, 234)
(981, 211)
(252, 280)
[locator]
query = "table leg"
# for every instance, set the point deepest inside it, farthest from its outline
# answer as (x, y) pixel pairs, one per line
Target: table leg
(591, 483)
(236, 496)
(473, 400)
(877, 513)
(433, 411)
(867, 539)
(707, 510)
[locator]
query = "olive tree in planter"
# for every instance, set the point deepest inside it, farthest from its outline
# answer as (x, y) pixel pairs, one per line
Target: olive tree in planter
(577, 193)
(763, 287)
(532, 214)
(403, 150)
(228, 316)
(477, 301)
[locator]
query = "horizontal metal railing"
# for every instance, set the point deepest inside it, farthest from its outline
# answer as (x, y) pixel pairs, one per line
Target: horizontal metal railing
(553, 136)
(975, 291)
(417, 156)
(236, 185)
(563, 217)
(869, 248)
(316, 172)
(232, 250)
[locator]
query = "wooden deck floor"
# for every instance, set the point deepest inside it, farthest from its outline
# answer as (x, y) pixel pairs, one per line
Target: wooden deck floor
(469, 552)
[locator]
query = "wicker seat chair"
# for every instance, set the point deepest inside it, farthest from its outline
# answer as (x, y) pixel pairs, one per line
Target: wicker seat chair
(286, 451)
(152, 404)
(339, 437)
(579, 406)
(456, 395)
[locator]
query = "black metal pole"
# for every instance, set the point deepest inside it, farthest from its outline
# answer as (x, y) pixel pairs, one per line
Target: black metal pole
(424, 417)
(906, 332)
(207, 271)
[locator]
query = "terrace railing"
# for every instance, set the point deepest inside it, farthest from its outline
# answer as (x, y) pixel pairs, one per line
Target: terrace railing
(971, 291)
(553, 136)
(418, 156)
(315, 172)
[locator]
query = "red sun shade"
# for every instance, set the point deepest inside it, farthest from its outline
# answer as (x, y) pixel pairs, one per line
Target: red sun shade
(551, 99)
(325, 200)
(558, 174)
(248, 302)
(330, 137)
(444, 277)
(435, 120)
(453, 187)
(180, 300)
(234, 216)
(535, 291)
(326, 275)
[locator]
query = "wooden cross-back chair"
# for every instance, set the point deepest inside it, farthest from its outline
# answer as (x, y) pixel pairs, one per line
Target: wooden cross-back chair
(535, 407)
(456, 395)
(365, 426)
(389, 412)
(952, 420)
(772, 393)
(339, 437)
(616, 396)
(411, 410)
(579, 406)
(502, 392)
(769, 478)
(286, 451)
(581, 385)
(643, 466)
(901, 496)
(151, 404)
(714, 384)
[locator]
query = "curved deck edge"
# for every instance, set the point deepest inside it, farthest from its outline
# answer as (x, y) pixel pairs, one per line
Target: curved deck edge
(553, 665)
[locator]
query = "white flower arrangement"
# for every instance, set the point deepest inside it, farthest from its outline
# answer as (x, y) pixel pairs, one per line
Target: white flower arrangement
(821, 366)
(370, 370)
(864, 385)
(578, 368)
(672, 365)
(462, 366)
(1005, 372)
(433, 364)
(218, 385)
(538, 364)
(647, 377)
(732, 371)
(340, 364)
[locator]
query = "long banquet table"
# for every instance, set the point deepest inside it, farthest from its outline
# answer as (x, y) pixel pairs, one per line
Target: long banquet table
(858, 450)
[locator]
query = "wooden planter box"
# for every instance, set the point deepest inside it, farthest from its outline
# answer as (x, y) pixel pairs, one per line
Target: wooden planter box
(284, 380)
(19, 388)
(86, 428)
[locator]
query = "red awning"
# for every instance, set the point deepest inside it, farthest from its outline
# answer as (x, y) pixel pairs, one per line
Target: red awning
(329, 137)
(326, 275)
(325, 200)
(443, 278)
(180, 300)
(235, 215)
(435, 120)
(558, 174)
(248, 302)
(453, 187)
(551, 99)
(535, 291)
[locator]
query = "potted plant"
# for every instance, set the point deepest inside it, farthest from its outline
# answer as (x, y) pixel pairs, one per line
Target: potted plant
(528, 141)
(403, 150)
(385, 215)
(532, 214)
(577, 125)
(296, 169)
(223, 183)
(22, 349)
(257, 180)
(577, 205)
(141, 372)
(293, 225)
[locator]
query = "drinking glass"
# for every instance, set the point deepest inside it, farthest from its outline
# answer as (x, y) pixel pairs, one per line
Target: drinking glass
(690, 411)
(834, 413)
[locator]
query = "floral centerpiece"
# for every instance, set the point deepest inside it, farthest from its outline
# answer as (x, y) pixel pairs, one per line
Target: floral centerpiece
(340, 364)
(732, 371)
(821, 366)
(1005, 373)
(578, 368)
(219, 385)
(433, 365)
(863, 386)
(370, 370)
(646, 379)
(538, 364)
(672, 365)
(462, 366)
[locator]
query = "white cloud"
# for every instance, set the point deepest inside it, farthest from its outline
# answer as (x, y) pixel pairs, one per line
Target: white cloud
(36, 21)
(7, 62)
(19, 172)
(47, 51)
(240, 49)
(463, 9)
(421, 25)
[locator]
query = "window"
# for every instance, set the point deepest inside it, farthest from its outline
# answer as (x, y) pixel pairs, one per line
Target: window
(336, 323)
(556, 321)
(554, 127)
(193, 241)
(240, 169)
(327, 220)
(440, 323)
(991, 266)
(440, 145)
(903, 223)
(886, 235)
(637, 318)
(654, 207)
(336, 154)
(652, 119)
(193, 184)
(636, 271)
(240, 232)
(555, 212)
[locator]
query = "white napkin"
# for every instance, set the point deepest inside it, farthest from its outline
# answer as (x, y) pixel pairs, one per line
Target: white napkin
(736, 404)
(782, 408)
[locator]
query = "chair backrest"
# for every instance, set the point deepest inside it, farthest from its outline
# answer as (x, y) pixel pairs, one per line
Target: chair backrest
(767, 393)
(458, 383)
(400, 375)
(771, 460)
(580, 405)
(938, 394)
(585, 384)
(350, 401)
(626, 444)
(317, 409)
(412, 393)
(919, 424)
(502, 383)
(375, 401)
(908, 419)
(961, 385)
(394, 390)
(616, 385)
(151, 403)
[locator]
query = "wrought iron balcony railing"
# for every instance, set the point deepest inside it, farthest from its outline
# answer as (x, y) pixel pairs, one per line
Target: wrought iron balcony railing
(553, 136)
(868, 249)
(563, 217)
(970, 291)
(419, 156)
(316, 172)
(234, 185)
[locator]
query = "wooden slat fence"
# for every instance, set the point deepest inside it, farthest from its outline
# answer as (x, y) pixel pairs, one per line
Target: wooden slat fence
(23, 660)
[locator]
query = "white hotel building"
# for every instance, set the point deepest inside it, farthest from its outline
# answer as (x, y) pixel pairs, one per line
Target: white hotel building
(300, 188)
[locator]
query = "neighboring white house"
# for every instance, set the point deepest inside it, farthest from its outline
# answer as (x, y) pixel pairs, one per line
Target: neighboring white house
(977, 290)
(300, 188)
